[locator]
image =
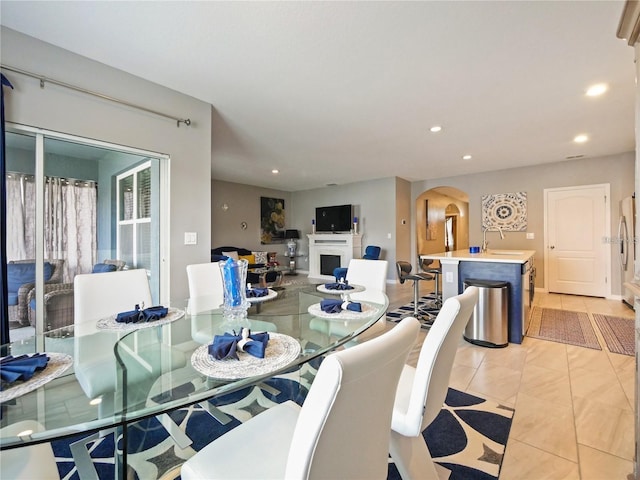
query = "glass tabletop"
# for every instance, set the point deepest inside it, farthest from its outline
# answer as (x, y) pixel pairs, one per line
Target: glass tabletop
(184, 374)
(119, 376)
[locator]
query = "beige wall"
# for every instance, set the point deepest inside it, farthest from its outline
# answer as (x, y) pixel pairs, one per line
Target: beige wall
(433, 240)
(403, 230)
(243, 205)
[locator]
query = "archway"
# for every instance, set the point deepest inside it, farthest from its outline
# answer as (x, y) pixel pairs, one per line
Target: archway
(436, 207)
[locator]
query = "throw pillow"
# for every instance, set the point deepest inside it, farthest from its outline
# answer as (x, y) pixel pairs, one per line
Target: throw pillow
(233, 255)
(251, 259)
(20, 273)
(104, 267)
(261, 257)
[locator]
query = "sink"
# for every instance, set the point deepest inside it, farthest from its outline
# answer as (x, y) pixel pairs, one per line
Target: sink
(505, 252)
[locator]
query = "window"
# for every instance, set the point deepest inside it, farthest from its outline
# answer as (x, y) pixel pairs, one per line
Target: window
(107, 204)
(134, 217)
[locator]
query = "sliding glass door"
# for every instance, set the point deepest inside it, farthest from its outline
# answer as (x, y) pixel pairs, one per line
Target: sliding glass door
(72, 204)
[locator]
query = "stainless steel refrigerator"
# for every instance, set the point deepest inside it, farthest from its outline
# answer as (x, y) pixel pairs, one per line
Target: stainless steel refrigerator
(626, 236)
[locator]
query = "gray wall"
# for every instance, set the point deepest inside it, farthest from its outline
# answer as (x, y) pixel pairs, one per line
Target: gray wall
(374, 203)
(243, 202)
(62, 110)
(617, 170)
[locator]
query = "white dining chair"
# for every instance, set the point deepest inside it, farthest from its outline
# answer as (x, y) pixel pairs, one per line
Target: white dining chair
(27, 463)
(371, 274)
(422, 390)
(341, 431)
(97, 296)
(206, 292)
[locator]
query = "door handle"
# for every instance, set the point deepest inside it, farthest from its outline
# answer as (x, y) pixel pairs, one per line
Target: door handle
(552, 247)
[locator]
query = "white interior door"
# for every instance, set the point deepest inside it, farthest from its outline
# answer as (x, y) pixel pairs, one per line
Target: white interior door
(577, 257)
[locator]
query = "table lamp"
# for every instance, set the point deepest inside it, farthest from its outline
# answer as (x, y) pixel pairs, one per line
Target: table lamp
(291, 236)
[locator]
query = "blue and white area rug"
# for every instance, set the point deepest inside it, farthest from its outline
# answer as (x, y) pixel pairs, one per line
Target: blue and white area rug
(468, 437)
(426, 306)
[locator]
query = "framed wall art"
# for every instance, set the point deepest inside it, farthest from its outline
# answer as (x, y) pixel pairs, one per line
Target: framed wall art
(507, 211)
(271, 220)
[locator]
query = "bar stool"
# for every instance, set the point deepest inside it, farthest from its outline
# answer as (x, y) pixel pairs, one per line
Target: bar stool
(404, 274)
(424, 265)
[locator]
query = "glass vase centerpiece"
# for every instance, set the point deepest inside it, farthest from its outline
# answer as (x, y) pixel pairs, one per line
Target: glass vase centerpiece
(235, 306)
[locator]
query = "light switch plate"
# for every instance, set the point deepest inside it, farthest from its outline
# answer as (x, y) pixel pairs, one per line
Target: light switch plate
(190, 238)
(531, 235)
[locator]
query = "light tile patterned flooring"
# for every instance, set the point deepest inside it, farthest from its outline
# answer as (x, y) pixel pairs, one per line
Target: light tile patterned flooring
(574, 406)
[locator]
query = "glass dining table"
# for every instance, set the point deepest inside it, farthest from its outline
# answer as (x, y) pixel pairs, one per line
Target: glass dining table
(160, 368)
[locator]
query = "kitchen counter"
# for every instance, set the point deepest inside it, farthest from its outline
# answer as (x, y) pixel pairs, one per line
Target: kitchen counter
(491, 255)
(511, 266)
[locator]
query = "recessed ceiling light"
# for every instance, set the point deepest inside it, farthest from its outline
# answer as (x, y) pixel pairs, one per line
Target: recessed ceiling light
(580, 138)
(466, 157)
(95, 401)
(597, 89)
(435, 129)
(275, 171)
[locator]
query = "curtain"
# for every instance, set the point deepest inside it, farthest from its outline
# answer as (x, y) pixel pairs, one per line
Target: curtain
(4, 313)
(69, 221)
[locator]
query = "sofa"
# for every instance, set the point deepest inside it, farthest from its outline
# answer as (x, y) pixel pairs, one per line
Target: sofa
(256, 260)
(21, 278)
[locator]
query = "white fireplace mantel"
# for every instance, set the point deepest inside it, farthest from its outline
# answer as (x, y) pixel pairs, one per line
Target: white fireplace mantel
(344, 245)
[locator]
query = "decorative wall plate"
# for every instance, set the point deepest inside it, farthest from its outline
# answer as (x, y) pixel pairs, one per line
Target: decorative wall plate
(507, 211)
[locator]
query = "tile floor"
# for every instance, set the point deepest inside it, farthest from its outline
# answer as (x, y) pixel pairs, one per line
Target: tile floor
(574, 406)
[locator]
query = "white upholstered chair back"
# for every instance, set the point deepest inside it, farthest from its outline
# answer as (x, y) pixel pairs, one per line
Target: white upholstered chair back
(422, 390)
(371, 274)
(344, 426)
(341, 432)
(99, 295)
(206, 291)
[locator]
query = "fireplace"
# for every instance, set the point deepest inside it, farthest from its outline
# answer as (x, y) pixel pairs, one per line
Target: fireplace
(328, 251)
(328, 263)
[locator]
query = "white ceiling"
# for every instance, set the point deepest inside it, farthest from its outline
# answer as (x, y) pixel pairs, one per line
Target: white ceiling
(337, 92)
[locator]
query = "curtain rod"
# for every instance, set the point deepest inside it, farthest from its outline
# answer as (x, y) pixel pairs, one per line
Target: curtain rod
(44, 79)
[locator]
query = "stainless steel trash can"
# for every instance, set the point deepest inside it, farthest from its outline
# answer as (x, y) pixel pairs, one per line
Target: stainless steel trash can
(488, 326)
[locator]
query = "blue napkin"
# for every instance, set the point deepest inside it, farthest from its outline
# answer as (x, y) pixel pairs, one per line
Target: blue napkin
(147, 315)
(22, 367)
(330, 305)
(154, 313)
(338, 286)
(226, 345)
(132, 316)
(257, 292)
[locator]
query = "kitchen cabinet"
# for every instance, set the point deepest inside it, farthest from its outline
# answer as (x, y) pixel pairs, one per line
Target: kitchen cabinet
(512, 266)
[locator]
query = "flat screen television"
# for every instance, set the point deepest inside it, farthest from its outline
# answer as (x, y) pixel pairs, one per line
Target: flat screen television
(337, 218)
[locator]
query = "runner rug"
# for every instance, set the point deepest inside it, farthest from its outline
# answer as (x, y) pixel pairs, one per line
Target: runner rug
(563, 326)
(468, 437)
(618, 333)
